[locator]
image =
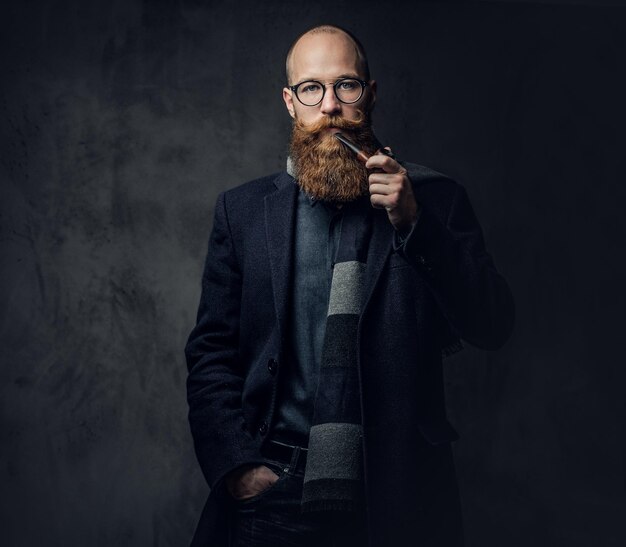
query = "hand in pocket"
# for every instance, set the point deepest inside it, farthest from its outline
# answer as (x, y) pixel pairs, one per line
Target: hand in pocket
(248, 482)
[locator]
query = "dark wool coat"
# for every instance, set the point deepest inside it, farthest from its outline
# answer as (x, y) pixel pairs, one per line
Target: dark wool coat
(443, 287)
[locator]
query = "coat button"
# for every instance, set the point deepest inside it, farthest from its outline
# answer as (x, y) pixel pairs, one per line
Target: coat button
(263, 428)
(272, 366)
(424, 263)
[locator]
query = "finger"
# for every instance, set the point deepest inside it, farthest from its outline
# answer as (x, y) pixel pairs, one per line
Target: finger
(379, 201)
(383, 189)
(387, 164)
(385, 178)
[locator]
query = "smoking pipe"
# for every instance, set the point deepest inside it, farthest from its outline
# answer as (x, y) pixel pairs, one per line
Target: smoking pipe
(361, 155)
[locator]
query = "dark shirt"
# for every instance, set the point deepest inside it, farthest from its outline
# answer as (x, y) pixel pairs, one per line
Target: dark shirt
(318, 225)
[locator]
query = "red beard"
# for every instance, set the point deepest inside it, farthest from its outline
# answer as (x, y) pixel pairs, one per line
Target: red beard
(325, 169)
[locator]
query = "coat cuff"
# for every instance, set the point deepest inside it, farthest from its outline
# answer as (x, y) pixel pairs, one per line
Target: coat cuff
(400, 237)
(424, 244)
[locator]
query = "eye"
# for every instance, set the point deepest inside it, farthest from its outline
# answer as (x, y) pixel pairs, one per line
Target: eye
(348, 85)
(310, 87)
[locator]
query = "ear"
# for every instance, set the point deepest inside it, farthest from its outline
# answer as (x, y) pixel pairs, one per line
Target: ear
(372, 100)
(288, 98)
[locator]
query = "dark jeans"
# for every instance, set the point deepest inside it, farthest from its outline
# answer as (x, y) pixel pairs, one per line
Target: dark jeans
(273, 518)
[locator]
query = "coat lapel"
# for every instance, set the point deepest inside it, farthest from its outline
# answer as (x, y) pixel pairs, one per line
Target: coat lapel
(280, 207)
(378, 251)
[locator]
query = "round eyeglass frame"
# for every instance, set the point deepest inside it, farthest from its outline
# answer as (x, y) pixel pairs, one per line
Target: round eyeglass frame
(363, 83)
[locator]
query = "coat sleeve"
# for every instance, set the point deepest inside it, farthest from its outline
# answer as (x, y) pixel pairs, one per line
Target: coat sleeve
(215, 381)
(452, 258)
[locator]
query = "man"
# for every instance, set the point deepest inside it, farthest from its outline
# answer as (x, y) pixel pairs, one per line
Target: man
(329, 294)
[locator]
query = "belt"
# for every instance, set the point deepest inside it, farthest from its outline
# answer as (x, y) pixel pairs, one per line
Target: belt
(286, 453)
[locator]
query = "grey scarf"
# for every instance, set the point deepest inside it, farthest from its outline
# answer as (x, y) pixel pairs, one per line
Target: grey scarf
(333, 477)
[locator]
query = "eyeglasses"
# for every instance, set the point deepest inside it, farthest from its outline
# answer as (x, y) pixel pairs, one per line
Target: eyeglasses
(311, 92)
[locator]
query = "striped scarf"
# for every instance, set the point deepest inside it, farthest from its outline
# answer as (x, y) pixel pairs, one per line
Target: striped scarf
(333, 478)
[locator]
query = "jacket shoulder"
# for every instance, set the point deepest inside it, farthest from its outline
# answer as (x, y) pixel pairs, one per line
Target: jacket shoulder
(257, 187)
(432, 187)
(243, 205)
(421, 175)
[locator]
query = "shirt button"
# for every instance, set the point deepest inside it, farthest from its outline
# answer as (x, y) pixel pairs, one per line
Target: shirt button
(272, 366)
(263, 428)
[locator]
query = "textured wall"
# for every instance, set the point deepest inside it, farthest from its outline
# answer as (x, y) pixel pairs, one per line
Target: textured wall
(122, 120)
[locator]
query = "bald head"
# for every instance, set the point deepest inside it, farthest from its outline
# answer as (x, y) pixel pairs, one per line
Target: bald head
(324, 42)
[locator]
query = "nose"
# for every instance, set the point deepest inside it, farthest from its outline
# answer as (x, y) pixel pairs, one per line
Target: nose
(330, 103)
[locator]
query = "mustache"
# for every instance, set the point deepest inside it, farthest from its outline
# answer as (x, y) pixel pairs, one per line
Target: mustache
(338, 122)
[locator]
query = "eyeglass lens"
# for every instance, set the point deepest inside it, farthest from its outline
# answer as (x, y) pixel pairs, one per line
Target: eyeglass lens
(347, 91)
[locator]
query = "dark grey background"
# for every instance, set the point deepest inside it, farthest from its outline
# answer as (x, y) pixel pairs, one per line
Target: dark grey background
(122, 120)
